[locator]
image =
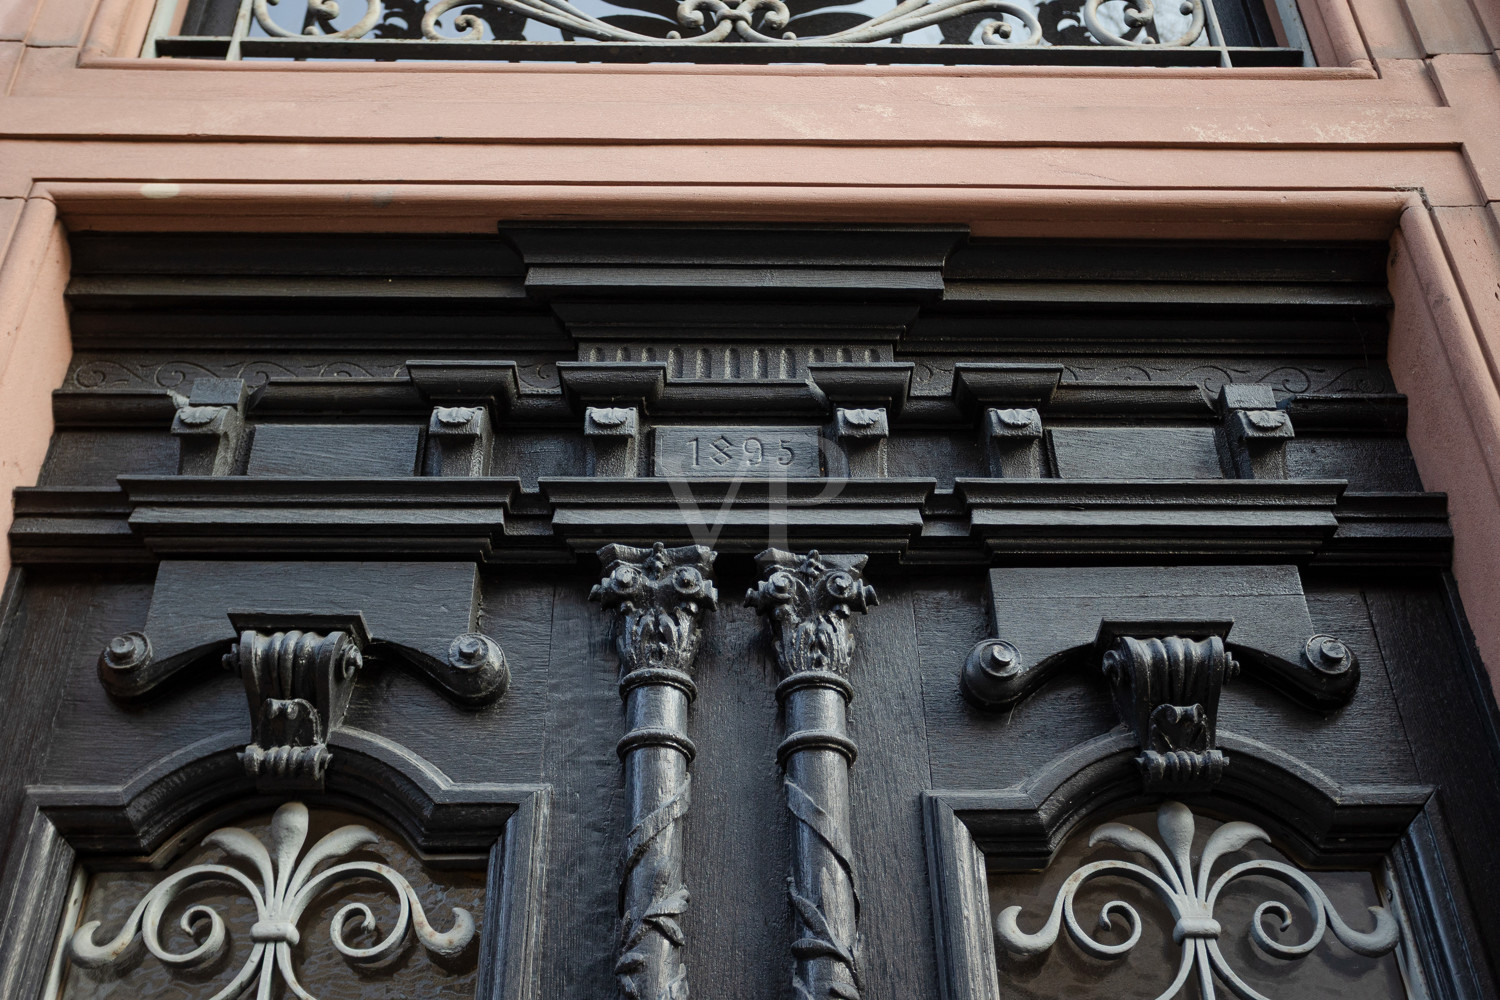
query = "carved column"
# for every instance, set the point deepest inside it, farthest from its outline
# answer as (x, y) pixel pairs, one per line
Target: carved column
(808, 600)
(658, 596)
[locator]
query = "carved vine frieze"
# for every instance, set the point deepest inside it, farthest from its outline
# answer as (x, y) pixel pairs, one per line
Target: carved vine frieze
(92, 371)
(1191, 894)
(659, 596)
(935, 378)
(808, 601)
(282, 882)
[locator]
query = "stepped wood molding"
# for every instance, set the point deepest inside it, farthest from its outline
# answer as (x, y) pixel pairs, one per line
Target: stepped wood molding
(658, 596)
(808, 601)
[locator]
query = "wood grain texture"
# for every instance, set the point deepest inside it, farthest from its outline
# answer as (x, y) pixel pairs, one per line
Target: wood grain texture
(887, 720)
(1444, 723)
(737, 836)
(583, 723)
(368, 450)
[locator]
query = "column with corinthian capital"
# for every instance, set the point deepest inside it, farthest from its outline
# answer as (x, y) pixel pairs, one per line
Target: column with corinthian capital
(658, 596)
(808, 601)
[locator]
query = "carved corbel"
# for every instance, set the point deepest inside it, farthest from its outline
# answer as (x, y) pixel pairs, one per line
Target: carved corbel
(1166, 639)
(459, 442)
(658, 596)
(472, 672)
(434, 634)
(997, 673)
(808, 602)
(1166, 679)
(1255, 430)
(299, 671)
(612, 437)
(1013, 441)
(210, 428)
(861, 433)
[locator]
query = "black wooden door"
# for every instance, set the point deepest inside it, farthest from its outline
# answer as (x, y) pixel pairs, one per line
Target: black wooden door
(780, 613)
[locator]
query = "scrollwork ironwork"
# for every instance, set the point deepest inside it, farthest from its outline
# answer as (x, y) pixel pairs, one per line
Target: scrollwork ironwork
(741, 21)
(286, 888)
(1191, 898)
(321, 13)
(1141, 14)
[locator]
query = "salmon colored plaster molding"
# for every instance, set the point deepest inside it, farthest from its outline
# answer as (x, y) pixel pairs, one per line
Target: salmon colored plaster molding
(34, 347)
(1437, 358)
(1015, 211)
(1298, 74)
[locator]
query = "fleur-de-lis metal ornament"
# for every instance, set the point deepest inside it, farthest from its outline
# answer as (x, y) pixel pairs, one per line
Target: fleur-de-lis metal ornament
(1191, 899)
(286, 888)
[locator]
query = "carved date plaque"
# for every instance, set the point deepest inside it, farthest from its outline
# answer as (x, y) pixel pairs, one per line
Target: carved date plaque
(749, 452)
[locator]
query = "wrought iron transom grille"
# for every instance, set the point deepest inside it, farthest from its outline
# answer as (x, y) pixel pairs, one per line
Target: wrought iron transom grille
(1077, 32)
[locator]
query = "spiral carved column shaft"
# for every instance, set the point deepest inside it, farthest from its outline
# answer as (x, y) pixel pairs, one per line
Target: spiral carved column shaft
(658, 596)
(809, 601)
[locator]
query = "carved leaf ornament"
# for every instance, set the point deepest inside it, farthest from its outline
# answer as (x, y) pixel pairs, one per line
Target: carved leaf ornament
(810, 602)
(286, 888)
(1191, 900)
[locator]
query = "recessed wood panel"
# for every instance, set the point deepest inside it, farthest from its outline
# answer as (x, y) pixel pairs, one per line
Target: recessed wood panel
(1136, 453)
(357, 450)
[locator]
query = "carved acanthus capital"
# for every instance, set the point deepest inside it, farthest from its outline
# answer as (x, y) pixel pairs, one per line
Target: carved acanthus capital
(658, 596)
(810, 599)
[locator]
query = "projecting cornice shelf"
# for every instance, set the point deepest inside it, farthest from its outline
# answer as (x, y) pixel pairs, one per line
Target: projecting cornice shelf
(492, 519)
(881, 515)
(1285, 519)
(227, 515)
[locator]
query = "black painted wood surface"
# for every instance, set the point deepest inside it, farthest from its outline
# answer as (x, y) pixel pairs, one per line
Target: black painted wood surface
(1126, 350)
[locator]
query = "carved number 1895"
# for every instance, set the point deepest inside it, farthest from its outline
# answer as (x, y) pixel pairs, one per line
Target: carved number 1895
(751, 451)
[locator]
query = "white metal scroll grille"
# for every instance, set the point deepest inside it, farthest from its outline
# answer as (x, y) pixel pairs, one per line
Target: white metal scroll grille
(1110, 32)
